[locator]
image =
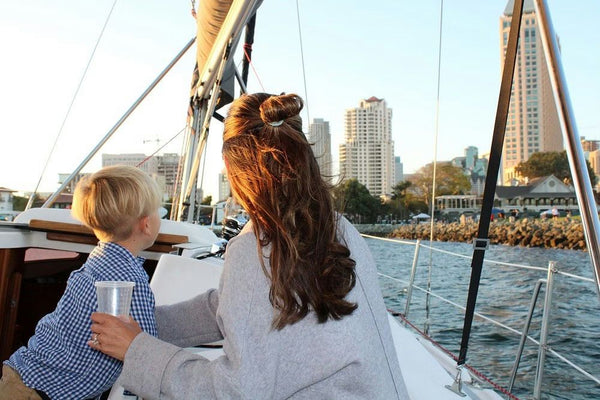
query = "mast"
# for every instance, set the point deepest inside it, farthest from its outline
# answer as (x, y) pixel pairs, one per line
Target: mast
(248, 41)
(214, 56)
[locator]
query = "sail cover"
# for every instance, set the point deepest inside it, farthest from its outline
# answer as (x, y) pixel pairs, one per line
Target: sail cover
(212, 17)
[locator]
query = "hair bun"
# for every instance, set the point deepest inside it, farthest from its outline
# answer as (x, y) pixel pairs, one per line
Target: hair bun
(276, 109)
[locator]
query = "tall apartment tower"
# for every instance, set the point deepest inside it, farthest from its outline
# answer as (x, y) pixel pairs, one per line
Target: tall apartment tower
(368, 151)
(320, 140)
(398, 170)
(532, 124)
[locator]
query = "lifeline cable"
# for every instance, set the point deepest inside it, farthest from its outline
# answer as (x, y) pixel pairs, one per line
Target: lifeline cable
(449, 353)
(62, 125)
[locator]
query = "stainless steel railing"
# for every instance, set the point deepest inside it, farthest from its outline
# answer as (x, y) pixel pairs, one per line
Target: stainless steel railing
(552, 270)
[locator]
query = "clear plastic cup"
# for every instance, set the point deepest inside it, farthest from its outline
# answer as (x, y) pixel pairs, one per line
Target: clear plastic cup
(114, 297)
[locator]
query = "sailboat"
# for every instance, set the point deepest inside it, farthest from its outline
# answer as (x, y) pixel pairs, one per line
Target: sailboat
(45, 243)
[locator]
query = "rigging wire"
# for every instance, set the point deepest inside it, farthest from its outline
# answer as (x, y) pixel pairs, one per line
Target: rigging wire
(435, 148)
(160, 148)
(303, 69)
(254, 69)
(60, 130)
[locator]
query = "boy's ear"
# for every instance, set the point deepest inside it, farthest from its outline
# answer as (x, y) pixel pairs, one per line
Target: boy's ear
(144, 224)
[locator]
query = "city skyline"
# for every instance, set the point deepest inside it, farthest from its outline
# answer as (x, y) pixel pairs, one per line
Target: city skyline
(389, 52)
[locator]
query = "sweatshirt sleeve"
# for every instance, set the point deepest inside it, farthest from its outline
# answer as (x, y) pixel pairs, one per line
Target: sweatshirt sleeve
(191, 322)
(156, 369)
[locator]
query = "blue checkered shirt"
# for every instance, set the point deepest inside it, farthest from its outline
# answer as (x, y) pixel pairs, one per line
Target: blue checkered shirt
(57, 359)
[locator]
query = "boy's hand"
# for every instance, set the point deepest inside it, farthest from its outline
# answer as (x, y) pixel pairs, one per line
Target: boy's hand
(113, 335)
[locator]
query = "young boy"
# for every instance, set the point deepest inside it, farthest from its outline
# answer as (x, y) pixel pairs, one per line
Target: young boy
(120, 204)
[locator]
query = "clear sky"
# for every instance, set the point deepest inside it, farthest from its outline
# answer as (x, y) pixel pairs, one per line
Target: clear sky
(352, 50)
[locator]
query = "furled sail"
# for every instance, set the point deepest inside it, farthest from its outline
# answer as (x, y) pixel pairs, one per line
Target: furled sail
(210, 17)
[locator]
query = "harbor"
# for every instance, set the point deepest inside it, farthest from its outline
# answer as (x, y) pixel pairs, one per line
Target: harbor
(533, 330)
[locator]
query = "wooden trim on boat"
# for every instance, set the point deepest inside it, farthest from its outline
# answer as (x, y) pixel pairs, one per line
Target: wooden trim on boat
(14, 268)
(10, 283)
(75, 233)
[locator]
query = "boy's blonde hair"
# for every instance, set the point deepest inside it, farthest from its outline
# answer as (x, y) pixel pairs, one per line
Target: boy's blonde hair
(114, 198)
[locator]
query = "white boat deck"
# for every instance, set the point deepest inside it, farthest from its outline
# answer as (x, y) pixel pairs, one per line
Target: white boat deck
(425, 369)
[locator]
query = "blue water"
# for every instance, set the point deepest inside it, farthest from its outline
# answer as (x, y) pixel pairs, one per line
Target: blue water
(505, 295)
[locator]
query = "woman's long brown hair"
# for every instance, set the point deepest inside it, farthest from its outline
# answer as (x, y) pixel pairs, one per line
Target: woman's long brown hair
(274, 175)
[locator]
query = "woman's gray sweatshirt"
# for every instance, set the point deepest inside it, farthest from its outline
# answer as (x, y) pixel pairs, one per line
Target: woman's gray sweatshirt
(351, 358)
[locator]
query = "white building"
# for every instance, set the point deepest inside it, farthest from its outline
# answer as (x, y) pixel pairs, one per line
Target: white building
(70, 188)
(163, 168)
(224, 186)
(532, 124)
(368, 151)
(150, 165)
(168, 167)
(6, 199)
(320, 139)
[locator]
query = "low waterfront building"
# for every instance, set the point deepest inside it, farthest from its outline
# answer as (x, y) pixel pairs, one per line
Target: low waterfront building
(458, 204)
(539, 194)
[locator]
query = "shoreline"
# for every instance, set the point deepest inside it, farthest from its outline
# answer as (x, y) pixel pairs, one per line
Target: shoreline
(526, 232)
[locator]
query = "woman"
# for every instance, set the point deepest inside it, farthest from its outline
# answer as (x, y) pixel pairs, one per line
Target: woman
(299, 306)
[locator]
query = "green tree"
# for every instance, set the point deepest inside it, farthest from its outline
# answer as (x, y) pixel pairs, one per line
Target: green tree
(206, 201)
(550, 163)
(401, 199)
(353, 199)
(19, 203)
(449, 179)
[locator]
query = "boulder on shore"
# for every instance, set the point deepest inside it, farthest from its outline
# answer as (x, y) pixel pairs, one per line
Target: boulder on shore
(549, 233)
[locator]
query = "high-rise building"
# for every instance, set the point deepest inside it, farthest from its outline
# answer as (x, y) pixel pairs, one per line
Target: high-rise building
(594, 159)
(168, 167)
(368, 151)
(471, 153)
(532, 125)
(320, 140)
(224, 186)
(398, 170)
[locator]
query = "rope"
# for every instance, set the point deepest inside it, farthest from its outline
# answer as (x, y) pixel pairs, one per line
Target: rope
(303, 69)
(434, 172)
(455, 358)
(71, 105)
(253, 69)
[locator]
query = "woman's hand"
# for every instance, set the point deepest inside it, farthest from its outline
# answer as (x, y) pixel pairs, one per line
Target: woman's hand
(113, 335)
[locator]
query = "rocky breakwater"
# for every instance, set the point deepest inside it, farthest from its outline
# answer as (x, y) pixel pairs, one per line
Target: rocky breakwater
(551, 233)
